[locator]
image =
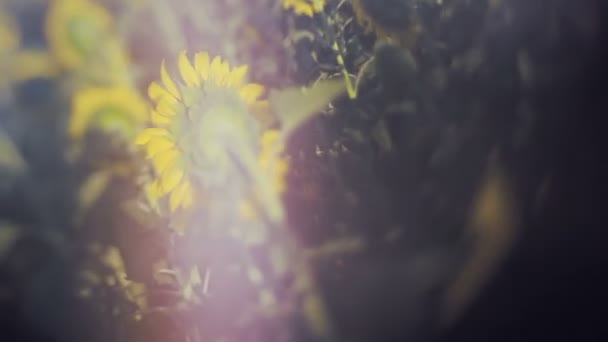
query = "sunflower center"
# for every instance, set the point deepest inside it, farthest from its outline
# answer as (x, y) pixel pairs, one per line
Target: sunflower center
(216, 128)
(83, 34)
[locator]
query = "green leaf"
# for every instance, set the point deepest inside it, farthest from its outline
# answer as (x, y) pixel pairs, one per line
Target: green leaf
(294, 106)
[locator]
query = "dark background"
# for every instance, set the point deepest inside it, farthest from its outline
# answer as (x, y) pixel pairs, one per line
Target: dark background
(552, 284)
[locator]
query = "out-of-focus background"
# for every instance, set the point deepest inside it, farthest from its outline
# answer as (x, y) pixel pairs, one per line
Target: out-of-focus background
(302, 170)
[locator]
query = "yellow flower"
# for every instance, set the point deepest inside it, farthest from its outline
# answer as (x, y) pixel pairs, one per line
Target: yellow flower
(31, 63)
(80, 35)
(112, 109)
(17, 64)
(74, 28)
(9, 34)
(173, 144)
(305, 7)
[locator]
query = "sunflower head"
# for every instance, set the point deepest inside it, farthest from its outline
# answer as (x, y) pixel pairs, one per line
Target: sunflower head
(304, 7)
(189, 117)
(79, 33)
(111, 109)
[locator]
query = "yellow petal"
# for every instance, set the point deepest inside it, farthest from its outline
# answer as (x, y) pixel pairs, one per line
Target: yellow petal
(167, 108)
(178, 195)
(156, 92)
(158, 189)
(307, 11)
(154, 191)
(168, 82)
(157, 132)
(142, 138)
(237, 77)
(188, 196)
(171, 178)
(215, 69)
(201, 63)
(187, 71)
(251, 92)
(166, 159)
(160, 119)
(159, 145)
(147, 134)
(224, 76)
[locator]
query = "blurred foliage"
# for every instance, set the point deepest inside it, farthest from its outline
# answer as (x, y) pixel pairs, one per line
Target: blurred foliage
(269, 170)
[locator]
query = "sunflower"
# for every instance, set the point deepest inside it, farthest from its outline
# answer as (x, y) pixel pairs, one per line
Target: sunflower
(80, 35)
(188, 117)
(118, 109)
(304, 7)
(17, 63)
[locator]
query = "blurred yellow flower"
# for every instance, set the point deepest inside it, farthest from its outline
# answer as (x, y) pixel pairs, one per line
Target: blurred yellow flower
(74, 29)
(16, 63)
(117, 109)
(9, 34)
(80, 35)
(31, 63)
(173, 143)
(304, 7)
